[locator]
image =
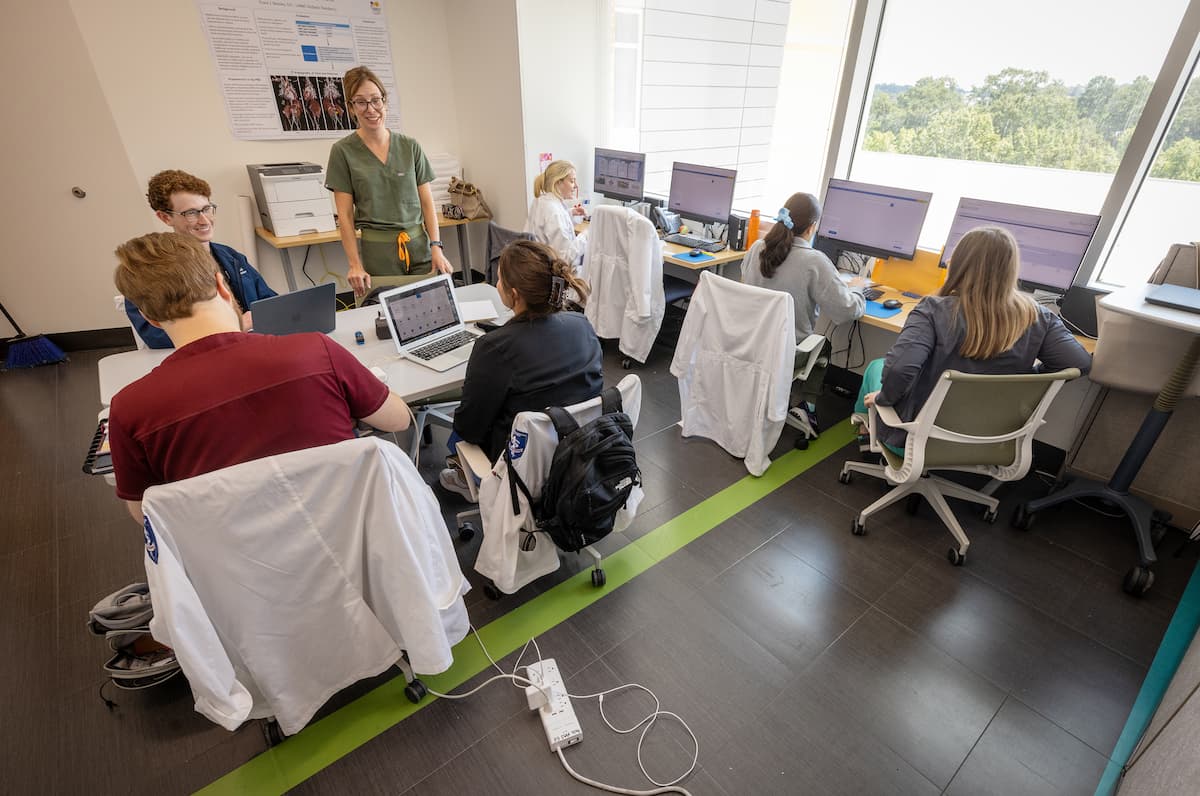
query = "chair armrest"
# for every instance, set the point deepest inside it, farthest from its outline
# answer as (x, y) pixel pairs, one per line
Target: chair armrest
(888, 415)
(475, 466)
(809, 350)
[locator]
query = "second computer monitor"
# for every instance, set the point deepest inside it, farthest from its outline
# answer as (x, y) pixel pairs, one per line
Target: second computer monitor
(871, 219)
(702, 193)
(619, 175)
(1051, 242)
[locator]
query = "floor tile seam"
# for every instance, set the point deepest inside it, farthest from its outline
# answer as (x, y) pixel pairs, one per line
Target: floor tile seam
(975, 744)
(413, 787)
(1015, 697)
(756, 548)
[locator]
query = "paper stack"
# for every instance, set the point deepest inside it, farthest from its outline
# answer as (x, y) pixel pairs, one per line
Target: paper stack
(445, 166)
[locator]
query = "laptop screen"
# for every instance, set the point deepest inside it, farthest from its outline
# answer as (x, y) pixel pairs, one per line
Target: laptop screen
(422, 310)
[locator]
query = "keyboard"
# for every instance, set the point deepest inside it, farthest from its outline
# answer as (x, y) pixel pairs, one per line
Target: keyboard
(873, 294)
(442, 345)
(703, 244)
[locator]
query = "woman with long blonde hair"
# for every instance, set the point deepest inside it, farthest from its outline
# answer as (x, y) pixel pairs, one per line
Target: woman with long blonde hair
(555, 210)
(977, 323)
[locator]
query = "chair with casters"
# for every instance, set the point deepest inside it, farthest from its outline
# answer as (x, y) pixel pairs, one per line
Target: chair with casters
(497, 238)
(624, 266)
(735, 362)
(812, 356)
(513, 553)
(261, 581)
(971, 423)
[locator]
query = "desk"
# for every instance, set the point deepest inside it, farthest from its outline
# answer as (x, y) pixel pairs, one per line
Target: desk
(672, 252)
(317, 238)
(1131, 301)
(407, 379)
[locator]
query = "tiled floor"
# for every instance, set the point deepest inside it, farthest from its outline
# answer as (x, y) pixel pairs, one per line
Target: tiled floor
(805, 659)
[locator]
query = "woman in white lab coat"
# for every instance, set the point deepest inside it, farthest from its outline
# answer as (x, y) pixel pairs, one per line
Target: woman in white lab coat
(555, 211)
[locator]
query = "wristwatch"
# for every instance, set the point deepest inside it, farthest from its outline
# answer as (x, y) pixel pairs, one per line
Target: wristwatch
(437, 243)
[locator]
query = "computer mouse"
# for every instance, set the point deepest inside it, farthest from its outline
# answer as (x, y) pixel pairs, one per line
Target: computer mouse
(892, 304)
(695, 252)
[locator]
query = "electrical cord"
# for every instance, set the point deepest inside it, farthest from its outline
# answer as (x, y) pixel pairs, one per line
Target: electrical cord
(304, 266)
(648, 721)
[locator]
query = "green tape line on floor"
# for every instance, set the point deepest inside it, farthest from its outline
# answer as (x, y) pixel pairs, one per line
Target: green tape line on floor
(337, 735)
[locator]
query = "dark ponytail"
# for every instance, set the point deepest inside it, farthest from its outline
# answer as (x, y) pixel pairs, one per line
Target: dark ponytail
(541, 278)
(803, 210)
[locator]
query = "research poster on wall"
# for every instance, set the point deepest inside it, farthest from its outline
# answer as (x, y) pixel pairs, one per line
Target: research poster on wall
(280, 63)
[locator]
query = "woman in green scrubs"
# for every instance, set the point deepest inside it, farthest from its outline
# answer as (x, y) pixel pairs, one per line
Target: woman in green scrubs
(381, 185)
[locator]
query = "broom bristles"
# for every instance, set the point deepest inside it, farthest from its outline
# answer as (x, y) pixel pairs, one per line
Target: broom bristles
(30, 352)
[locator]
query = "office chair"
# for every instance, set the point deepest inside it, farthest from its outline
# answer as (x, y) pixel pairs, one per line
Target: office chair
(971, 423)
(624, 268)
(506, 555)
(497, 238)
(280, 581)
(735, 362)
(119, 303)
(812, 357)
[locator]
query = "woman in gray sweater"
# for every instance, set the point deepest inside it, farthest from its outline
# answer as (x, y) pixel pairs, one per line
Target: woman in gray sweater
(785, 260)
(977, 323)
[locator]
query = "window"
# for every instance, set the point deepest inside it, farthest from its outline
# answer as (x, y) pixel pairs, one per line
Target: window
(1026, 101)
(705, 79)
(1164, 210)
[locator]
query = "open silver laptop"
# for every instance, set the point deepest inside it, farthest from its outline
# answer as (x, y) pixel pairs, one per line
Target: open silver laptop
(313, 309)
(426, 323)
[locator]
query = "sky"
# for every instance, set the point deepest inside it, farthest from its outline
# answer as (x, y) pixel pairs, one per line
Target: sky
(1073, 40)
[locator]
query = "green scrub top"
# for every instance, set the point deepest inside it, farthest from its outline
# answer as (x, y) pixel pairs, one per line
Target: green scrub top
(386, 201)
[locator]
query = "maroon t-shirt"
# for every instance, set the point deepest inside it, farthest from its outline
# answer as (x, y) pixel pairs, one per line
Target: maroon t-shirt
(234, 397)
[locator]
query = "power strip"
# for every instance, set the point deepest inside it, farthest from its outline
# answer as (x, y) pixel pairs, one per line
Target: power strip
(558, 716)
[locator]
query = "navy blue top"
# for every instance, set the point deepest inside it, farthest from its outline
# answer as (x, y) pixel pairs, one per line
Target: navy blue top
(247, 284)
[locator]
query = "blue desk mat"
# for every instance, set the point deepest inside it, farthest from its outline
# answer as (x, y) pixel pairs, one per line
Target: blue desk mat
(876, 310)
(692, 258)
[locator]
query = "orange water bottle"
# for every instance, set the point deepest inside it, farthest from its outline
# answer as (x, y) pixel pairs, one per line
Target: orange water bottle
(752, 229)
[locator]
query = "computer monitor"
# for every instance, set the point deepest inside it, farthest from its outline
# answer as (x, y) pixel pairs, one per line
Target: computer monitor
(871, 219)
(1052, 242)
(619, 175)
(702, 193)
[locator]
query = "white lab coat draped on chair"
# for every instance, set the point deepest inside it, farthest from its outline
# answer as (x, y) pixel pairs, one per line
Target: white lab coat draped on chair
(281, 581)
(531, 445)
(624, 267)
(734, 361)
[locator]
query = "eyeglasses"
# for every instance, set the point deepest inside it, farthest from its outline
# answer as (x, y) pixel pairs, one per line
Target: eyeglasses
(191, 215)
(361, 104)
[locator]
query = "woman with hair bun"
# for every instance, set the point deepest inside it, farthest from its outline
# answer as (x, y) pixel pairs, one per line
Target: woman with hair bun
(550, 221)
(546, 355)
(786, 260)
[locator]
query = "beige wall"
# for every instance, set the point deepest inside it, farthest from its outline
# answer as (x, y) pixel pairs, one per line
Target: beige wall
(145, 98)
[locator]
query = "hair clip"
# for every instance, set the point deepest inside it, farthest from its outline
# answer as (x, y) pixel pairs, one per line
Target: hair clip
(557, 286)
(785, 217)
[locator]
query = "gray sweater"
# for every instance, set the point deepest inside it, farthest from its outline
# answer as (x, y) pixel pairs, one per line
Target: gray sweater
(813, 282)
(929, 344)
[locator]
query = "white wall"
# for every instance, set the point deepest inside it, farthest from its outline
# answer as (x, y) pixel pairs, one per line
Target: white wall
(560, 84)
(144, 97)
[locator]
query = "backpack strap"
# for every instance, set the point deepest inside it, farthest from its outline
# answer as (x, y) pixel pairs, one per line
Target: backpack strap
(515, 483)
(610, 401)
(564, 424)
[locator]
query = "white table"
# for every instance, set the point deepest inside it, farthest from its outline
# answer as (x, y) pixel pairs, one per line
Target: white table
(405, 378)
(1132, 301)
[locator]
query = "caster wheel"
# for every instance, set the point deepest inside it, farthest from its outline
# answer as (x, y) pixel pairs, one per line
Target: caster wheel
(626, 363)
(954, 557)
(415, 691)
(912, 504)
(466, 532)
(844, 477)
(1157, 532)
(273, 733)
(801, 443)
(1160, 517)
(990, 515)
(857, 528)
(1022, 519)
(598, 578)
(427, 435)
(1138, 581)
(491, 592)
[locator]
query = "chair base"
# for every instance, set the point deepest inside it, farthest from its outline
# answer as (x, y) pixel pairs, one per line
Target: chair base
(935, 490)
(424, 418)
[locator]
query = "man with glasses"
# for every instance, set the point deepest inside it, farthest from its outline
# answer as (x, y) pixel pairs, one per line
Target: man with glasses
(182, 202)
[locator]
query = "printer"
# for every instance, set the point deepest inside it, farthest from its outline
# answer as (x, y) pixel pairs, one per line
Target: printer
(292, 198)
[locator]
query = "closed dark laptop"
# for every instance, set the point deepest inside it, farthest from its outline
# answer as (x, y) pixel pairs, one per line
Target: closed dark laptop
(309, 310)
(1175, 296)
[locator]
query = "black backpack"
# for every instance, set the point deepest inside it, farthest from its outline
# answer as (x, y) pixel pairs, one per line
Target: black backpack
(591, 475)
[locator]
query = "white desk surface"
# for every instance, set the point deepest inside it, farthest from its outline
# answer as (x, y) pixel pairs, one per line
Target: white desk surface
(407, 379)
(1132, 301)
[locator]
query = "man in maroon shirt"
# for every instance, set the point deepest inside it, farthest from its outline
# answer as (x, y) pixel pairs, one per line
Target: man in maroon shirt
(224, 396)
